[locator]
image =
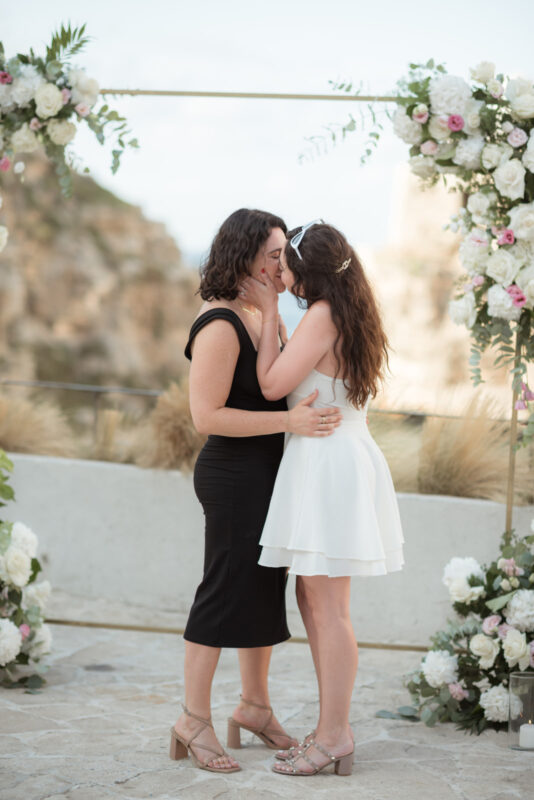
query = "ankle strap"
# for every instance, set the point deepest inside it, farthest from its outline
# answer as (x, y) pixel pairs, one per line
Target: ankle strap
(257, 705)
(200, 719)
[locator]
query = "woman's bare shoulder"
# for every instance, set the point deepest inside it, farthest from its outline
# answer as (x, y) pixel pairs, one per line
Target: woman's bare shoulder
(207, 305)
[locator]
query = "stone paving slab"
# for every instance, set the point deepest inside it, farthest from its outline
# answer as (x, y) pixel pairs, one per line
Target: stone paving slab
(99, 729)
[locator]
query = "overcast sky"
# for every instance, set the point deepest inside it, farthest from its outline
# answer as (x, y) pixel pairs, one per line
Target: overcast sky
(201, 159)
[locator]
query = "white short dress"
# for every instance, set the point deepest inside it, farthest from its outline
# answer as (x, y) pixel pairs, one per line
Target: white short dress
(333, 509)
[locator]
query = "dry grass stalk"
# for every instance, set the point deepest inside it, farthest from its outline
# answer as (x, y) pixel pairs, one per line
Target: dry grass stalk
(105, 446)
(169, 439)
(29, 426)
(400, 442)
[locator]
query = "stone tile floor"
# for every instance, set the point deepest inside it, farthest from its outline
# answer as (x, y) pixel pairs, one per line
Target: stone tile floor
(99, 730)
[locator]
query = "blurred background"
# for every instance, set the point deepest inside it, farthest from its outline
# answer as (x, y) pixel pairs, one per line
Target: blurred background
(99, 290)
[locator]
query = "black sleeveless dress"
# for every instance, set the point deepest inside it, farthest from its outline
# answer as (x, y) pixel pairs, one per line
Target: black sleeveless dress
(238, 603)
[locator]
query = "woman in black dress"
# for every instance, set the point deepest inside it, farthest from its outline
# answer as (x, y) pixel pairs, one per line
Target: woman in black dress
(238, 603)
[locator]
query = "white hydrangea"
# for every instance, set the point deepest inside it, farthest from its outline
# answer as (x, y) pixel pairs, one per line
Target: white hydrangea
(525, 281)
(404, 126)
(486, 648)
(84, 89)
(15, 566)
(463, 311)
(509, 179)
(37, 594)
(449, 95)
(478, 205)
(422, 166)
(500, 304)
(495, 702)
(516, 649)
(502, 267)
(41, 644)
(24, 140)
(24, 538)
(468, 152)
(438, 127)
(483, 72)
(520, 610)
(61, 131)
(48, 100)
(10, 641)
(439, 667)
(6, 98)
(493, 155)
(522, 221)
(25, 85)
(461, 568)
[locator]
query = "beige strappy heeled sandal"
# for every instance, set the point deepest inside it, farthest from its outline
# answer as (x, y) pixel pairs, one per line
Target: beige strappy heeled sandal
(343, 764)
(292, 752)
(263, 732)
(180, 747)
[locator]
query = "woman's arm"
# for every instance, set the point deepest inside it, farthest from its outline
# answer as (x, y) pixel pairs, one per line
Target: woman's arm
(215, 353)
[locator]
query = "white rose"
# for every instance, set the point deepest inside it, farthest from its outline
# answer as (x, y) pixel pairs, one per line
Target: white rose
(25, 85)
(502, 267)
(522, 221)
(461, 592)
(516, 649)
(479, 204)
(24, 538)
(422, 166)
(37, 594)
(41, 644)
(486, 648)
(24, 140)
(520, 610)
(61, 131)
(483, 72)
(3, 237)
(463, 311)
(520, 93)
(48, 100)
(472, 116)
(495, 702)
(468, 152)
(493, 155)
(438, 127)
(408, 130)
(84, 89)
(449, 95)
(439, 667)
(500, 305)
(10, 641)
(510, 179)
(473, 256)
(528, 155)
(525, 281)
(15, 566)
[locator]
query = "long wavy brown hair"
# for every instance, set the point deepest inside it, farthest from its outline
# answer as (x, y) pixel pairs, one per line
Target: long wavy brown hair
(233, 250)
(330, 270)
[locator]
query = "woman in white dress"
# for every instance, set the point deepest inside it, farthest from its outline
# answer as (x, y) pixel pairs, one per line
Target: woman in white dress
(333, 513)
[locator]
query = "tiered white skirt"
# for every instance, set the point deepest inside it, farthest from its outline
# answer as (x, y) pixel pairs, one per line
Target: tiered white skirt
(333, 510)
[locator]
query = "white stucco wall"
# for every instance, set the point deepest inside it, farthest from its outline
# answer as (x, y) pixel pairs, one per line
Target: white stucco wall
(136, 536)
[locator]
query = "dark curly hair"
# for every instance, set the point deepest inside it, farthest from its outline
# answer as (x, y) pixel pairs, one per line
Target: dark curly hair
(233, 250)
(323, 274)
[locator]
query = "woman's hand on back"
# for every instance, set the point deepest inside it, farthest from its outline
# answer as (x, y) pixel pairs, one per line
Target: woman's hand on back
(307, 421)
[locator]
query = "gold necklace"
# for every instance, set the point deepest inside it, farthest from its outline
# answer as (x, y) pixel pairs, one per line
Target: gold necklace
(252, 313)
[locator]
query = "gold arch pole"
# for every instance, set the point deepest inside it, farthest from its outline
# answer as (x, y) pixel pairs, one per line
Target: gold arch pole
(346, 98)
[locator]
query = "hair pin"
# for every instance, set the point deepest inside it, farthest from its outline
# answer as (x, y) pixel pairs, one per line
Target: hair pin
(344, 265)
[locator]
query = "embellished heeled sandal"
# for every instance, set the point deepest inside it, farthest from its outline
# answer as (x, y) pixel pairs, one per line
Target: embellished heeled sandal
(263, 732)
(342, 764)
(180, 747)
(293, 752)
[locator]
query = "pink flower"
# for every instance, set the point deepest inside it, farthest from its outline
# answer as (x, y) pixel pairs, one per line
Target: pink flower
(5, 77)
(25, 630)
(505, 236)
(457, 691)
(477, 280)
(528, 395)
(82, 110)
(531, 645)
(5, 163)
(455, 122)
(509, 567)
(35, 125)
(520, 405)
(421, 118)
(429, 148)
(65, 95)
(503, 629)
(517, 137)
(491, 623)
(518, 298)
(479, 238)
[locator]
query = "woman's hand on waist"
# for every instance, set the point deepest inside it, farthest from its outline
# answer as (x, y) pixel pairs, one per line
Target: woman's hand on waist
(307, 421)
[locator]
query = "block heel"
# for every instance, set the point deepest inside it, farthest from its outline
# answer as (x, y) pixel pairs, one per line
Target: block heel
(233, 738)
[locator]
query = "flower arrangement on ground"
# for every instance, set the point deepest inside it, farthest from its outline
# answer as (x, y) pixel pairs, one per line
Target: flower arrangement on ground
(24, 637)
(42, 101)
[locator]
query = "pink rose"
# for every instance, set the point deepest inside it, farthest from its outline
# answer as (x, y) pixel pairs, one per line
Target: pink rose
(520, 405)
(490, 624)
(505, 236)
(429, 148)
(5, 163)
(503, 629)
(455, 122)
(82, 110)
(508, 565)
(519, 300)
(528, 395)
(421, 118)
(35, 125)
(25, 630)
(457, 691)
(479, 238)
(65, 95)
(517, 137)
(477, 280)
(5, 77)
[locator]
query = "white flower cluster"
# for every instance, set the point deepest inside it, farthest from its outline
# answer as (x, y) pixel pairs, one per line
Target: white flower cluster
(455, 576)
(496, 701)
(439, 668)
(520, 610)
